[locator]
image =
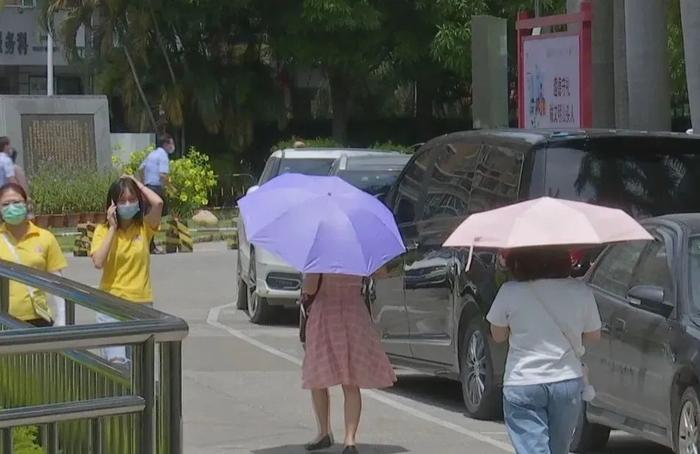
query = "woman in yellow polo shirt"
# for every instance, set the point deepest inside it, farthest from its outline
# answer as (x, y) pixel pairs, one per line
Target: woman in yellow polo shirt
(24, 243)
(121, 246)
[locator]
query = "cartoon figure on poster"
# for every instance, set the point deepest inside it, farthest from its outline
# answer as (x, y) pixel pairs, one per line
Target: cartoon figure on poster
(537, 102)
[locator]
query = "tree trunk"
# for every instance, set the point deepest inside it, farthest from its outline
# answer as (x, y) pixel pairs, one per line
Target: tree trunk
(140, 89)
(341, 97)
(690, 16)
(647, 65)
(603, 67)
(622, 120)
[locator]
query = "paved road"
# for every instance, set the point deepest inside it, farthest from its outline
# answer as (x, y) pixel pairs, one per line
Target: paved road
(242, 382)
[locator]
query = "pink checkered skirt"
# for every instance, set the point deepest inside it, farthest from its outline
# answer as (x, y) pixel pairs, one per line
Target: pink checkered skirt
(342, 344)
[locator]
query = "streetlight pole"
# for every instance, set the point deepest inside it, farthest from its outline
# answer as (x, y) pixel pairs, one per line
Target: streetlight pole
(49, 63)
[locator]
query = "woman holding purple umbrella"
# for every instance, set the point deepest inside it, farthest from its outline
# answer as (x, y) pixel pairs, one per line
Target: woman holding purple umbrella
(335, 234)
(342, 348)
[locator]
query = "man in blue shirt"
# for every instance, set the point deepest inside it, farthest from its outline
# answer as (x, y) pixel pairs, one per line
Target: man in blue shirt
(155, 170)
(7, 167)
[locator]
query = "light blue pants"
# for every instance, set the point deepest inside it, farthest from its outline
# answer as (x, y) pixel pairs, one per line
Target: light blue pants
(541, 419)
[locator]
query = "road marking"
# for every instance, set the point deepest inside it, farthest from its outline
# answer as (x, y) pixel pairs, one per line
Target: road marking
(213, 320)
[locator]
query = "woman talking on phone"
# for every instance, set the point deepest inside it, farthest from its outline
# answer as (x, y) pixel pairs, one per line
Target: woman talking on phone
(120, 247)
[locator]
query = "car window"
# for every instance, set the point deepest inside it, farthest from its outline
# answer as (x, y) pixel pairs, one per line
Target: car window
(497, 177)
(310, 166)
(654, 269)
(644, 178)
(371, 181)
(410, 190)
(614, 272)
(449, 184)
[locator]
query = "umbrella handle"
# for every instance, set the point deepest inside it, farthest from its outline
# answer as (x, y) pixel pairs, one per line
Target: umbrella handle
(469, 259)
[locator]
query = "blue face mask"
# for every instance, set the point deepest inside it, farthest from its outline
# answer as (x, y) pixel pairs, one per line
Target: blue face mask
(127, 211)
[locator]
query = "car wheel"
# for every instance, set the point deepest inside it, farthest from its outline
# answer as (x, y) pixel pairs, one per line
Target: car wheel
(687, 423)
(258, 310)
(481, 395)
(589, 437)
(242, 294)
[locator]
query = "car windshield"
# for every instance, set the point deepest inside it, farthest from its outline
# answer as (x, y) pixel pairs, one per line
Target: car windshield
(374, 182)
(694, 272)
(310, 166)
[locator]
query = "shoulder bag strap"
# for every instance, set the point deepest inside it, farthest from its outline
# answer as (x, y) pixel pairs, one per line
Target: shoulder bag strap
(13, 250)
(549, 313)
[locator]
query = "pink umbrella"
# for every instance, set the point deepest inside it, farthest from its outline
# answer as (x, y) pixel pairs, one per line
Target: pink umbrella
(546, 222)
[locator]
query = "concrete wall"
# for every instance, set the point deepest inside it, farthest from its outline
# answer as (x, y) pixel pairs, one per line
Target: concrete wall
(16, 112)
(490, 75)
(126, 143)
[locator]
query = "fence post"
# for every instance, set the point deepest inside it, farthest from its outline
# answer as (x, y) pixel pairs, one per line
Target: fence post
(174, 350)
(7, 441)
(4, 295)
(70, 313)
(146, 380)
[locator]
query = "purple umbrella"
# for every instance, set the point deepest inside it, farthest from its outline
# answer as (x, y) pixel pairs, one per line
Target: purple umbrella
(321, 225)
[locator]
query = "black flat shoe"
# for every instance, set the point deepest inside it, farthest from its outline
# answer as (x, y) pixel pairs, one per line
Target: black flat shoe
(324, 443)
(351, 450)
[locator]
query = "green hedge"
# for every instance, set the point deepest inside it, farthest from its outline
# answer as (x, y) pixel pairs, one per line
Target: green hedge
(58, 189)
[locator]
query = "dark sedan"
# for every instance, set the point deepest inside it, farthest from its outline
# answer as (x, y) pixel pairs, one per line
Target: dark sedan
(646, 369)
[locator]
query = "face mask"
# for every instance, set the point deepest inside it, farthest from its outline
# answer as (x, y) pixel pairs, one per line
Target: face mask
(128, 210)
(14, 214)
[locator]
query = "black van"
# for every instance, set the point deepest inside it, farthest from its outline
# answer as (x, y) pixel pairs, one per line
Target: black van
(430, 312)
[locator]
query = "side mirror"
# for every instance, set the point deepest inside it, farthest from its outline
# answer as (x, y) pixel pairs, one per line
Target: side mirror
(252, 189)
(650, 298)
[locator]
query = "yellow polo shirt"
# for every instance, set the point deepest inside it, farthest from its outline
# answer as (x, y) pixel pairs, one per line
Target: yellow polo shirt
(127, 271)
(37, 249)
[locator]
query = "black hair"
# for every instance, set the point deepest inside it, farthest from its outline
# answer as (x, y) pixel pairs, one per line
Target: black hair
(14, 187)
(4, 141)
(164, 138)
(530, 264)
(13, 154)
(117, 189)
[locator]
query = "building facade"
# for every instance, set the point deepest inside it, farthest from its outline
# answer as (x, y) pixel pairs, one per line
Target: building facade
(23, 54)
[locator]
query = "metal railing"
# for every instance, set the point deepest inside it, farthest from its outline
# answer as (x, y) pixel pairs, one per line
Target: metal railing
(80, 402)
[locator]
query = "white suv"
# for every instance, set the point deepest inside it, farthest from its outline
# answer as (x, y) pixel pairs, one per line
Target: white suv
(266, 283)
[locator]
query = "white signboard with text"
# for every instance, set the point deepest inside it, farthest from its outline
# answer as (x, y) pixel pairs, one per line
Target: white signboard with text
(23, 41)
(552, 82)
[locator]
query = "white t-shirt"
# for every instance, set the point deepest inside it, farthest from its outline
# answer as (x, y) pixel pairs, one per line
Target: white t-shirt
(7, 169)
(539, 352)
(156, 163)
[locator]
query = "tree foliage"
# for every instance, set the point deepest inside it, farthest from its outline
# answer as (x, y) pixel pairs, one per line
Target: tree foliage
(221, 66)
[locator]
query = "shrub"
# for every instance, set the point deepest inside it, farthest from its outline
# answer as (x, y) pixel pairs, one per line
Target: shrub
(58, 188)
(25, 440)
(391, 146)
(318, 142)
(191, 179)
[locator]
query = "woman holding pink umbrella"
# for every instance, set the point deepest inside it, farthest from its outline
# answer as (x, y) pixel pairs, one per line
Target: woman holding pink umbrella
(545, 315)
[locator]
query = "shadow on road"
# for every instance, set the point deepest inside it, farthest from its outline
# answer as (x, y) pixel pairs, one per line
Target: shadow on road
(434, 391)
(365, 449)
